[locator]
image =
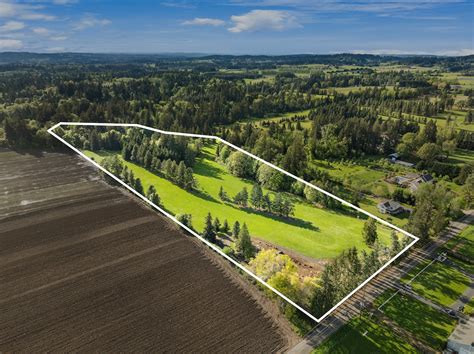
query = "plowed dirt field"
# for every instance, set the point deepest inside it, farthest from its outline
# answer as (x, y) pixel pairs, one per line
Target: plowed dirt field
(85, 266)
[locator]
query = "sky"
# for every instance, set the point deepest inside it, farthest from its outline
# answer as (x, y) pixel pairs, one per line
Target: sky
(442, 27)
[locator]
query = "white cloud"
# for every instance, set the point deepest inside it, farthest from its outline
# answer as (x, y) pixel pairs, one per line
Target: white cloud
(58, 38)
(200, 21)
(90, 21)
(64, 2)
(12, 26)
(10, 44)
(9, 9)
(457, 52)
(373, 6)
(263, 20)
(56, 49)
(41, 31)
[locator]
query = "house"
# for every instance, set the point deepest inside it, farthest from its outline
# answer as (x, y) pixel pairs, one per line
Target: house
(462, 339)
(411, 180)
(404, 180)
(393, 157)
(424, 178)
(390, 207)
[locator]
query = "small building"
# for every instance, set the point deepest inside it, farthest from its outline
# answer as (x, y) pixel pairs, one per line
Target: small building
(390, 207)
(393, 157)
(424, 178)
(462, 339)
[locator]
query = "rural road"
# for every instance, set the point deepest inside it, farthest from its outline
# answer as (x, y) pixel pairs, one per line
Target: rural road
(388, 279)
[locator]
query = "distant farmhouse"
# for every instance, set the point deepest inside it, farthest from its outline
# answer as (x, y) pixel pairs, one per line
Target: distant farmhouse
(411, 180)
(390, 207)
(424, 178)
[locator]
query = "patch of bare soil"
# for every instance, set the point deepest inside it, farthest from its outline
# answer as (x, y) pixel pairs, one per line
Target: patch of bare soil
(85, 266)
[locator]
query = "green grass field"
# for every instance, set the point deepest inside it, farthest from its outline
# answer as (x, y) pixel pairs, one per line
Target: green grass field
(461, 157)
(458, 79)
(456, 119)
(463, 243)
(362, 335)
(357, 175)
(278, 118)
(439, 282)
(421, 320)
(313, 232)
(469, 307)
(367, 177)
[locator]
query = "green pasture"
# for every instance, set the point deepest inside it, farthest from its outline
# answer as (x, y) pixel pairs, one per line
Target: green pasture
(314, 232)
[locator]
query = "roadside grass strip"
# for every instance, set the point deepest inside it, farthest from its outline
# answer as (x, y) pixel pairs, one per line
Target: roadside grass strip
(363, 335)
(421, 320)
(463, 244)
(439, 283)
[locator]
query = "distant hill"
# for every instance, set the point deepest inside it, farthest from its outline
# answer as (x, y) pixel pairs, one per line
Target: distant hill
(231, 61)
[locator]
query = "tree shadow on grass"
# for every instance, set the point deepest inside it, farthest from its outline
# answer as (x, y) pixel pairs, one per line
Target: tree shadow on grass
(429, 325)
(204, 168)
(287, 220)
(201, 194)
(438, 280)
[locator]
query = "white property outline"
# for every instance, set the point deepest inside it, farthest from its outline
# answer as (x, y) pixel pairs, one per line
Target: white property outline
(194, 233)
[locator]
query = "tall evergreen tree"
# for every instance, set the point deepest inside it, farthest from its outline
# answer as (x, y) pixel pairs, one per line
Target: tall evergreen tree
(236, 229)
(256, 196)
(225, 227)
(181, 177)
(277, 204)
(217, 225)
(138, 186)
(208, 232)
(243, 244)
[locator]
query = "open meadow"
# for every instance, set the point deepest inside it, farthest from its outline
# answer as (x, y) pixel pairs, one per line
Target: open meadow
(315, 232)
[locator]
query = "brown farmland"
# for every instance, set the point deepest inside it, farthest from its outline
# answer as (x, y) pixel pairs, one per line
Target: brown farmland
(84, 266)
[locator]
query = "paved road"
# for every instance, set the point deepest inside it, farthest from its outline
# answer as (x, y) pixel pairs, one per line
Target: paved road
(388, 279)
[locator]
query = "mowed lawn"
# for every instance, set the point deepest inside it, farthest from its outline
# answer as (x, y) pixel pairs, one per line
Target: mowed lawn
(463, 244)
(362, 335)
(421, 320)
(313, 232)
(440, 282)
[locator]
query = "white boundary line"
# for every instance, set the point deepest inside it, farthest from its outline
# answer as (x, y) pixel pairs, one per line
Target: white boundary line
(408, 282)
(132, 125)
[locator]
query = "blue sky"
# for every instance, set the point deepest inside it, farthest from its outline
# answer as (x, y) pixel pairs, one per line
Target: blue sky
(443, 27)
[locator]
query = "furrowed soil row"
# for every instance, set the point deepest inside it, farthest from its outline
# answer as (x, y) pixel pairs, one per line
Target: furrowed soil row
(87, 267)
